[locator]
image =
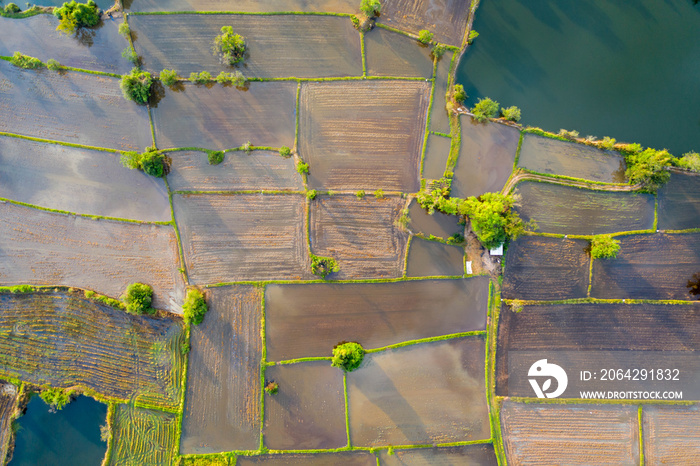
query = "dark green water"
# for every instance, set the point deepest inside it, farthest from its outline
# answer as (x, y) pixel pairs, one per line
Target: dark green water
(65, 438)
(625, 69)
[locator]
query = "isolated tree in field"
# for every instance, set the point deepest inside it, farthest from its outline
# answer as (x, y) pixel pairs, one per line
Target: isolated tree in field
(230, 46)
(370, 8)
(425, 36)
(493, 218)
(136, 86)
(348, 356)
(138, 298)
(168, 77)
(195, 307)
(271, 388)
(151, 161)
(323, 266)
(648, 168)
(74, 15)
(485, 109)
(604, 247)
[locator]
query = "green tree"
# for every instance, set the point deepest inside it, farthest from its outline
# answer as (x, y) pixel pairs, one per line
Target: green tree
(25, 61)
(12, 8)
(230, 46)
(438, 50)
(604, 247)
(511, 113)
(215, 157)
(154, 163)
(459, 94)
(649, 168)
(302, 168)
(57, 398)
(348, 356)
(607, 143)
(285, 151)
(124, 30)
(202, 77)
(371, 8)
(493, 218)
(690, 161)
(485, 109)
(168, 77)
(74, 15)
(136, 86)
(425, 36)
(472, 35)
(138, 298)
(53, 64)
(323, 266)
(195, 307)
(271, 388)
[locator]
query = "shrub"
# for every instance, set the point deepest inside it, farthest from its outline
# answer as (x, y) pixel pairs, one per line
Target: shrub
(236, 78)
(22, 289)
(648, 168)
(230, 46)
(302, 168)
(57, 398)
(12, 8)
(493, 219)
(285, 151)
(371, 7)
(136, 86)
(311, 195)
(360, 194)
(73, 15)
(425, 36)
(607, 143)
(690, 161)
(195, 307)
(247, 147)
(272, 388)
(215, 157)
(604, 247)
(485, 109)
(323, 266)
(457, 238)
(138, 298)
(379, 194)
(511, 113)
(168, 77)
(25, 61)
(131, 55)
(151, 161)
(517, 305)
(459, 94)
(52, 64)
(472, 35)
(438, 50)
(348, 356)
(570, 135)
(200, 78)
(124, 29)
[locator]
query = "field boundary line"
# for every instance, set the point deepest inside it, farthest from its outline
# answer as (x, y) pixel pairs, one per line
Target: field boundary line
(28, 13)
(332, 79)
(591, 259)
(71, 68)
(90, 216)
(266, 192)
(183, 390)
(297, 361)
(588, 237)
(494, 312)
(263, 366)
(150, 123)
(362, 51)
(405, 258)
(451, 336)
(438, 133)
(450, 47)
(173, 222)
(60, 143)
(429, 113)
(359, 280)
(641, 436)
(528, 175)
(594, 401)
(347, 408)
(296, 119)
(603, 301)
(655, 225)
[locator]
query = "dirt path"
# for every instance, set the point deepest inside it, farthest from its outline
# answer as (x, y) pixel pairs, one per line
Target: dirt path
(579, 184)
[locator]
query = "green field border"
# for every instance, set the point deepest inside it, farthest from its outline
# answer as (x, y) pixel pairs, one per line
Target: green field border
(150, 123)
(173, 222)
(362, 51)
(347, 408)
(60, 143)
(28, 13)
(266, 192)
(494, 311)
(405, 257)
(263, 365)
(437, 133)
(456, 145)
(641, 436)
(111, 410)
(183, 392)
(70, 68)
(689, 231)
(561, 181)
(333, 79)
(296, 119)
(655, 225)
(628, 301)
(427, 119)
(319, 280)
(591, 259)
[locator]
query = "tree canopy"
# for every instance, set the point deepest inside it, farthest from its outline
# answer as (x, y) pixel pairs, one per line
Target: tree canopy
(74, 15)
(648, 168)
(136, 86)
(231, 46)
(348, 356)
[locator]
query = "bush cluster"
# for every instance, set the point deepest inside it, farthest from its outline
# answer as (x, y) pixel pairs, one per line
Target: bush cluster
(195, 307)
(168, 77)
(12, 8)
(215, 157)
(53, 64)
(137, 298)
(202, 77)
(604, 247)
(25, 61)
(511, 113)
(136, 86)
(347, 356)
(57, 398)
(271, 388)
(302, 168)
(648, 167)
(74, 15)
(285, 151)
(323, 266)
(371, 8)
(230, 46)
(459, 94)
(151, 161)
(484, 109)
(236, 78)
(690, 161)
(425, 36)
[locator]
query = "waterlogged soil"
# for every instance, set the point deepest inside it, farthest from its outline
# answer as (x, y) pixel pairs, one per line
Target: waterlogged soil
(447, 21)
(482, 455)
(65, 340)
(422, 394)
(62, 438)
(8, 403)
(308, 411)
(243, 237)
(277, 46)
(392, 54)
(363, 235)
(362, 142)
(143, 436)
(222, 403)
(220, 117)
(554, 157)
(42, 248)
(582, 434)
(434, 259)
(437, 224)
(670, 434)
(439, 119)
(79, 180)
(437, 151)
(257, 170)
(71, 107)
(486, 157)
(355, 458)
(570, 210)
(679, 203)
(96, 49)
(649, 267)
(247, 6)
(546, 268)
(373, 314)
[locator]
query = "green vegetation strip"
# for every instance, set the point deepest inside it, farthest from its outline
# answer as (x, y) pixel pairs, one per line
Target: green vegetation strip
(153, 129)
(481, 333)
(243, 191)
(362, 280)
(263, 365)
(347, 409)
(33, 11)
(296, 119)
(494, 308)
(71, 68)
(362, 49)
(571, 178)
(427, 120)
(180, 249)
(641, 436)
(656, 212)
(601, 301)
(298, 360)
(60, 143)
(344, 78)
(589, 237)
(111, 408)
(437, 133)
(183, 390)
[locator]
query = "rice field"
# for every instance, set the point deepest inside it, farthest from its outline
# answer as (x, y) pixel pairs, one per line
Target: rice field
(670, 434)
(434, 259)
(45, 248)
(336, 6)
(302, 46)
(70, 107)
(243, 237)
(423, 394)
(439, 119)
(555, 157)
(143, 436)
(363, 235)
(373, 314)
(679, 202)
(356, 142)
(437, 152)
(582, 434)
(447, 21)
(261, 169)
(575, 211)
(219, 117)
(222, 403)
(391, 54)
(486, 157)
(482, 455)
(64, 340)
(98, 49)
(79, 180)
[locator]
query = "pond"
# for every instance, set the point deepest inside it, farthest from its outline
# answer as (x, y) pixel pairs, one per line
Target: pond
(627, 70)
(67, 437)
